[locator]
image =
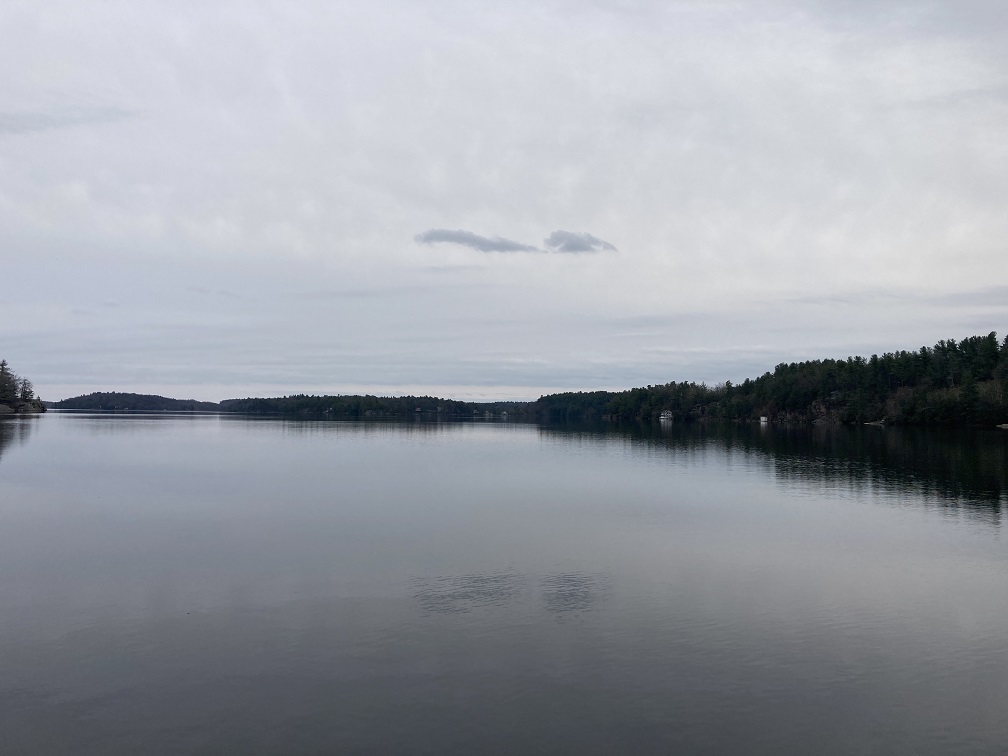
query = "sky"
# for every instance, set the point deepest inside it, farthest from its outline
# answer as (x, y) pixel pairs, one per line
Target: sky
(492, 201)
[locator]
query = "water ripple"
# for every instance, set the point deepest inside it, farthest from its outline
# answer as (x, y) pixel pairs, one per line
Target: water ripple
(571, 592)
(453, 594)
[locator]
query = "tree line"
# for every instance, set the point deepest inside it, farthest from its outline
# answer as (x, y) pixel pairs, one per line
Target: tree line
(358, 407)
(117, 401)
(953, 383)
(16, 393)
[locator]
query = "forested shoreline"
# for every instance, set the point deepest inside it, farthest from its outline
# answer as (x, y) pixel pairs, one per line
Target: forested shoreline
(954, 383)
(117, 401)
(962, 383)
(17, 395)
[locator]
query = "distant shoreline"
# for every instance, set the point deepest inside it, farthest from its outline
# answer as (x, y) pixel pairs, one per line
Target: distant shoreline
(954, 384)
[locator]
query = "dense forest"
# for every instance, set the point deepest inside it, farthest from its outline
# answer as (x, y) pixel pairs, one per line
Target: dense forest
(371, 406)
(299, 405)
(16, 393)
(954, 383)
(122, 402)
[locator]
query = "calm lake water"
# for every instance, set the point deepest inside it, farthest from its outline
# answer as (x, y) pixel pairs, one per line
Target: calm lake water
(213, 584)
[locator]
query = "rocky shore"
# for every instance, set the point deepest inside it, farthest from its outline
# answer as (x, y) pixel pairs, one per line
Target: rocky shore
(21, 408)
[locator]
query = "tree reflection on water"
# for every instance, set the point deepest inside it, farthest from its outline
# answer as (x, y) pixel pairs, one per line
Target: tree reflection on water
(14, 431)
(952, 467)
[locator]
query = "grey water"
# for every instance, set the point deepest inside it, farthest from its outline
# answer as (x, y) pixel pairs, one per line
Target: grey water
(213, 584)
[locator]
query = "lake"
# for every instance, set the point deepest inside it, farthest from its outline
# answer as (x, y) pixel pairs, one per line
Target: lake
(217, 584)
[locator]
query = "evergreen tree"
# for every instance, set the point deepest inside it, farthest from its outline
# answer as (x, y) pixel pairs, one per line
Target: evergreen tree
(8, 383)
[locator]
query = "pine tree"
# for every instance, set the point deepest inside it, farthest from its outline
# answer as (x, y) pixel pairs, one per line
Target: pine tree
(8, 383)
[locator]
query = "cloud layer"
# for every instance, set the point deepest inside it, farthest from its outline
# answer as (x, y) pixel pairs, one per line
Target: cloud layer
(28, 122)
(784, 180)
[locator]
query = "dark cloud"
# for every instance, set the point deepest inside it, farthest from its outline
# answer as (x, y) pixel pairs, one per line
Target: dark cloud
(475, 241)
(28, 122)
(558, 241)
(574, 241)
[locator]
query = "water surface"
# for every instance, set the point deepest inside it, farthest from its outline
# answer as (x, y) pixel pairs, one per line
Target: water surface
(209, 584)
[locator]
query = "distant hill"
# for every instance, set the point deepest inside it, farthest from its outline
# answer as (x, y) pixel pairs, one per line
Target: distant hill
(122, 402)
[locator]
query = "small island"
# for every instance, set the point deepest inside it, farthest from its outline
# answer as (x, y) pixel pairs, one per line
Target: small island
(118, 401)
(17, 395)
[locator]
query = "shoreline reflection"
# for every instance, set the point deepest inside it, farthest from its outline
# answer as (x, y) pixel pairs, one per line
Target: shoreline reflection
(952, 467)
(15, 431)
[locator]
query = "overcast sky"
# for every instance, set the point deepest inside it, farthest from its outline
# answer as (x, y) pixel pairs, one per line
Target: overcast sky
(483, 200)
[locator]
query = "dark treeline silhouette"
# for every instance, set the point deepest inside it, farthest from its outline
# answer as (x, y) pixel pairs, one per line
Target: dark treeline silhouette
(952, 383)
(16, 393)
(962, 383)
(122, 402)
(298, 405)
(356, 407)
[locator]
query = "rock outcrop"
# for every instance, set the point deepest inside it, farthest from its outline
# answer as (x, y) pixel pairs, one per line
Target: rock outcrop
(20, 408)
